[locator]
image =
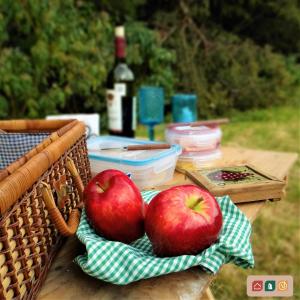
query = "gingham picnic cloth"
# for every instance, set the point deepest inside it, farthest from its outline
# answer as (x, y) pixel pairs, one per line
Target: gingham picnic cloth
(122, 264)
(15, 145)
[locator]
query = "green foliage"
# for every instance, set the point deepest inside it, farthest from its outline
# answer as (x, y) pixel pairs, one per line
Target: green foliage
(240, 75)
(272, 22)
(121, 11)
(145, 56)
(224, 70)
(294, 69)
(55, 56)
(51, 57)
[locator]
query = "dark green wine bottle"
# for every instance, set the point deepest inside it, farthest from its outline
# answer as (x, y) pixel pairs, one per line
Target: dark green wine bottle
(121, 103)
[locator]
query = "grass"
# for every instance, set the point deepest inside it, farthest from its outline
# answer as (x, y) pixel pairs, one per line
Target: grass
(276, 231)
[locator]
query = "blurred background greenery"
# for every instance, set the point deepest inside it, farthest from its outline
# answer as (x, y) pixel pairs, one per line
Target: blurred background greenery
(235, 55)
(242, 59)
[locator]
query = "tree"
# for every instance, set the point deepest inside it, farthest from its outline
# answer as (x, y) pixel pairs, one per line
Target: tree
(55, 56)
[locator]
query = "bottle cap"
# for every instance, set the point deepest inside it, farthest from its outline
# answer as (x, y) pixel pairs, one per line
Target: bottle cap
(120, 31)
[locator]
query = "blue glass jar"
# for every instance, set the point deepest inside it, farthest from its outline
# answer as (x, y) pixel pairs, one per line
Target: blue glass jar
(184, 108)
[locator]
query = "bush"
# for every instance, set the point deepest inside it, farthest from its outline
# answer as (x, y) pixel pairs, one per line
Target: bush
(272, 22)
(238, 74)
(51, 57)
(224, 70)
(55, 56)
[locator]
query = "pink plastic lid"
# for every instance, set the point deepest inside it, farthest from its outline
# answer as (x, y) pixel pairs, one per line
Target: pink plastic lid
(194, 139)
(187, 129)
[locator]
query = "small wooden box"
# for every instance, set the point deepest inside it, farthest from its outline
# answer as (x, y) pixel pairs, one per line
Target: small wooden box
(242, 183)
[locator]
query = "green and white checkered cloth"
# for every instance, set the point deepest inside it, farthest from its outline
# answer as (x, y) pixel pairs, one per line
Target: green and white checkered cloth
(122, 264)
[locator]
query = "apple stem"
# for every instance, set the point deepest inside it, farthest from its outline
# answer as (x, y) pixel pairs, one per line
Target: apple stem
(194, 204)
(101, 189)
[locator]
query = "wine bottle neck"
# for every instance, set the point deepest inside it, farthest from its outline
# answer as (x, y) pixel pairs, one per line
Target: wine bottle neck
(120, 49)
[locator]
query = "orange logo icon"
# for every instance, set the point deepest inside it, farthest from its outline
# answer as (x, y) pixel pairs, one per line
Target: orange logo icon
(282, 285)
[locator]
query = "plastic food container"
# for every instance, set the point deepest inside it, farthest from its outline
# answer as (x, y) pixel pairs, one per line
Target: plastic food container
(148, 168)
(194, 139)
(197, 160)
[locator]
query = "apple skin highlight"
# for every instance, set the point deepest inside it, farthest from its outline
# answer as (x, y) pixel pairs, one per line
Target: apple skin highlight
(183, 220)
(114, 206)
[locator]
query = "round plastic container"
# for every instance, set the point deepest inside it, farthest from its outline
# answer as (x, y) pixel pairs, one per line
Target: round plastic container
(194, 139)
(196, 160)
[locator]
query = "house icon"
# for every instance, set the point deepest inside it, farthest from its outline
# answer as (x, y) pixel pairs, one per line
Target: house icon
(257, 285)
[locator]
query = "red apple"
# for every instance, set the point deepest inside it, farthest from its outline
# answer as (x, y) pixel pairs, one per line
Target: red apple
(183, 220)
(114, 206)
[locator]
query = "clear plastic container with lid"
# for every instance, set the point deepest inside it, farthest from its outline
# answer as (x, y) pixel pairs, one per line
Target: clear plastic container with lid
(148, 167)
(194, 139)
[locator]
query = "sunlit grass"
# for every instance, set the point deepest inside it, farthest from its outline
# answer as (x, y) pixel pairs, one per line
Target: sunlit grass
(276, 231)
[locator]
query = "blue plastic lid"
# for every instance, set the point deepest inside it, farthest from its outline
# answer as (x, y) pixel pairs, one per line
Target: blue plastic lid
(134, 158)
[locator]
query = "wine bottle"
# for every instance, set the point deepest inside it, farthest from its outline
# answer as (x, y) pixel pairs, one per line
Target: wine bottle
(120, 98)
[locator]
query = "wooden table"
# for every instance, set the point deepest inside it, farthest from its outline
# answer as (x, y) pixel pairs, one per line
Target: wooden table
(66, 280)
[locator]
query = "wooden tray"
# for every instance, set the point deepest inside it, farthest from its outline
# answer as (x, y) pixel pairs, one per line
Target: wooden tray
(242, 183)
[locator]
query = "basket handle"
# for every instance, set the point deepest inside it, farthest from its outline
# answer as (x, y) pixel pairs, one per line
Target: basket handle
(76, 177)
(65, 229)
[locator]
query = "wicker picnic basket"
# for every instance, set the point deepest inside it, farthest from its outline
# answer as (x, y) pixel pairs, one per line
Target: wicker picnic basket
(40, 199)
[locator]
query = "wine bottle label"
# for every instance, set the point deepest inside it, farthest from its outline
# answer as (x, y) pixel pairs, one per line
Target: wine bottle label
(114, 106)
(120, 88)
